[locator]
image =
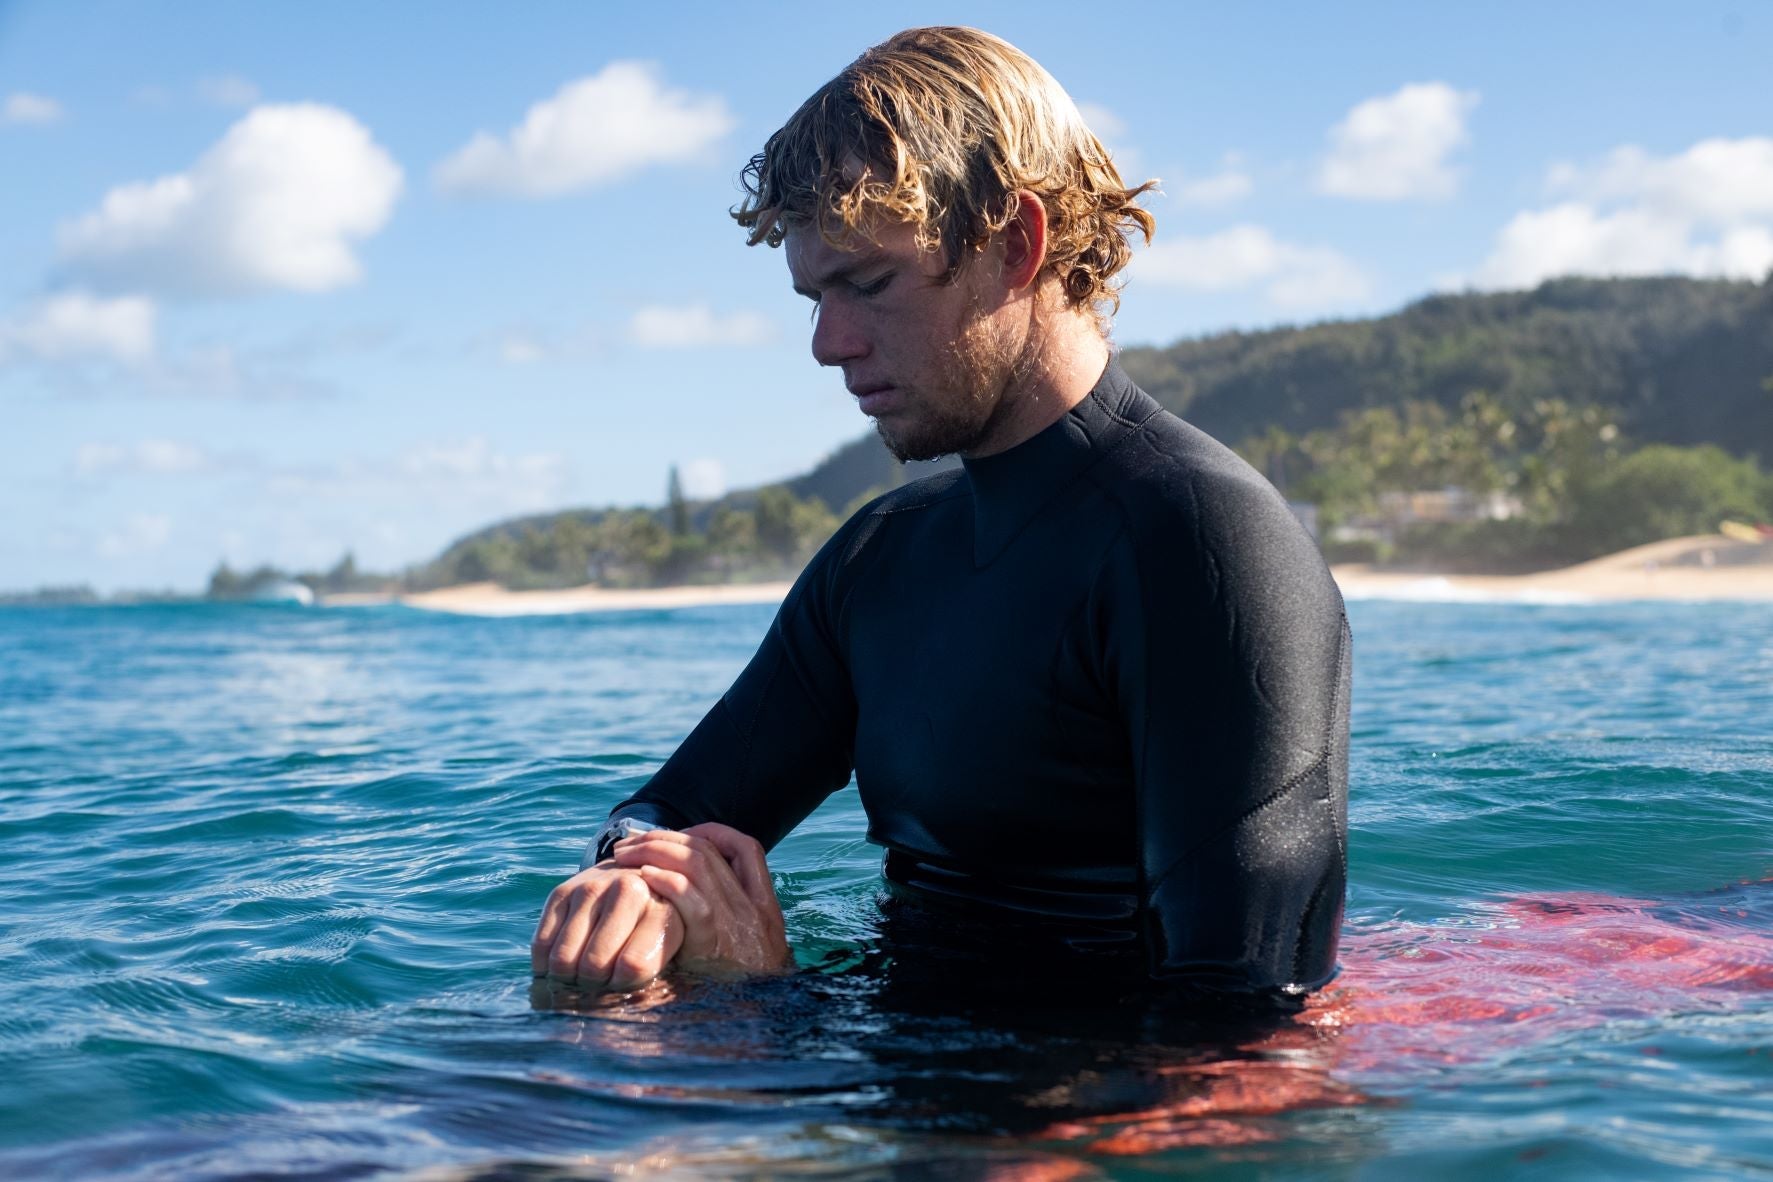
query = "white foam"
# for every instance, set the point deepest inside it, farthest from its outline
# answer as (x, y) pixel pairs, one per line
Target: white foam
(1439, 589)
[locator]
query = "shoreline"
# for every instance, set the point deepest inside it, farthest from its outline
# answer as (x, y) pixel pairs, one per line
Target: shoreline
(490, 599)
(1706, 568)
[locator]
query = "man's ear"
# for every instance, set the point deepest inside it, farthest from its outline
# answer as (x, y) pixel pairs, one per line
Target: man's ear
(1025, 241)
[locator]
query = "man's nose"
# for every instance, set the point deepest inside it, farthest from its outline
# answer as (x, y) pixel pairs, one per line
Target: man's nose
(837, 335)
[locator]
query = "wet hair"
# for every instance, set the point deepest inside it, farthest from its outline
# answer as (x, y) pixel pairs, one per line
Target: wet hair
(939, 128)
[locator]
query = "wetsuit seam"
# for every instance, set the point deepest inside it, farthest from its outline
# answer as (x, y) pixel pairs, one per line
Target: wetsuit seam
(1343, 646)
(1321, 761)
(1085, 473)
(1293, 782)
(1146, 888)
(888, 510)
(1135, 424)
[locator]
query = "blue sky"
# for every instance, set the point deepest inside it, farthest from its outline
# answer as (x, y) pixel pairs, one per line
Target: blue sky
(278, 280)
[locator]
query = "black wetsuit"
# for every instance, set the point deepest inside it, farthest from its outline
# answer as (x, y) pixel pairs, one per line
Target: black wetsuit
(1101, 678)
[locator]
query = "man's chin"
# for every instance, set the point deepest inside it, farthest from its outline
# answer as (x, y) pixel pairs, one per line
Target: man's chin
(913, 446)
(906, 449)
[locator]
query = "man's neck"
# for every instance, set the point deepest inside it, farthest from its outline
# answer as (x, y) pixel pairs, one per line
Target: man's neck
(1066, 360)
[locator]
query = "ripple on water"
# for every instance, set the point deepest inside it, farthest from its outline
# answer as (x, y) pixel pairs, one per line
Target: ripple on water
(271, 878)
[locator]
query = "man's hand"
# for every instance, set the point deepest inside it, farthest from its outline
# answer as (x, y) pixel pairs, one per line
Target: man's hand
(717, 879)
(604, 928)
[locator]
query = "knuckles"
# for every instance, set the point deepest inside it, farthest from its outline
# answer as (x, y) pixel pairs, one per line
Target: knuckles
(632, 971)
(630, 887)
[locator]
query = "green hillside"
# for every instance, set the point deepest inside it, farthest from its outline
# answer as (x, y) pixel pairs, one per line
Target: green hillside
(1572, 400)
(1679, 361)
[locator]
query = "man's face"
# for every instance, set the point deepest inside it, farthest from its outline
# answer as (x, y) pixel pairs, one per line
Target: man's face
(927, 361)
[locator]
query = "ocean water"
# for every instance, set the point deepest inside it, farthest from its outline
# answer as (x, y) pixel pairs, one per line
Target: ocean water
(268, 876)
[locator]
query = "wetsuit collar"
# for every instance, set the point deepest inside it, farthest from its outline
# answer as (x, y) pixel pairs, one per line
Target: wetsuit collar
(1010, 487)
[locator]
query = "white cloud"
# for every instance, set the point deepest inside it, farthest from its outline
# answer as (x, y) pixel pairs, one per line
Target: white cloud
(228, 90)
(148, 457)
(1705, 211)
(703, 479)
(1293, 276)
(474, 459)
(23, 107)
(278, 202)
(1719, 182)
(594, 131)
(448, 477)
(696, 326)
(520, 349)
(1103, 122)
(142, 533)
(1395, 147)
(76, 326)
(1230, 184)
(1111, 129)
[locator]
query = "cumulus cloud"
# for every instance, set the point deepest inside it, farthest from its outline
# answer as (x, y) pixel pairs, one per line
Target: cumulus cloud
(78, 326)
(696, 326)
(475, 459)
(147, 457)
(278, 203)
(518, 348)
(1292, 276)
(1716, 181)
(594, 131)
(439, 477)
(1395, 147)
(1230, 184)
(1103, 122)
(1705, 211)
(228, 90)
(23, 107)
(704, 479)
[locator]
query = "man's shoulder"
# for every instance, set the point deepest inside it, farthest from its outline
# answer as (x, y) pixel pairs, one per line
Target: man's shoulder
(864, 525)
(1180, 492)
(918, 494)
(1165, 465)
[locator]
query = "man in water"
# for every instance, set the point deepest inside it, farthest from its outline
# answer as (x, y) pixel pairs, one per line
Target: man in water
(1093, 685)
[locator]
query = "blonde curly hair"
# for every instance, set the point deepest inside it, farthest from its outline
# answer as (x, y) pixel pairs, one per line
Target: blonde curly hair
(940, 127)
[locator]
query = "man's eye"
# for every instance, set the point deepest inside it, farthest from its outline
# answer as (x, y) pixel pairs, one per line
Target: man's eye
(874, 287)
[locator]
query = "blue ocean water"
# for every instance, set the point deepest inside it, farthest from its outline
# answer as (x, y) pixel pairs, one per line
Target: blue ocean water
(268, 876)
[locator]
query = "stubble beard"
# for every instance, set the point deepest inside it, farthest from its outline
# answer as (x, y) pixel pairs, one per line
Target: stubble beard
(977, 371)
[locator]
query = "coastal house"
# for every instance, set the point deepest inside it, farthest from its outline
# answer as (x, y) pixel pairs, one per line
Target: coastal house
(1397, 511)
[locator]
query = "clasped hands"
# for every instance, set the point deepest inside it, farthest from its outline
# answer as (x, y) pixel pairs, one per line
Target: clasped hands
(700, 898)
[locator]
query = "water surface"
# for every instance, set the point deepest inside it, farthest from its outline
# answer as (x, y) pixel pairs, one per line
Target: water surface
(269, 877)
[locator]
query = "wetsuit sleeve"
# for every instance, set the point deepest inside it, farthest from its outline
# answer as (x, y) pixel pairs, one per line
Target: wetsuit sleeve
(1233, 675)
(781, 739)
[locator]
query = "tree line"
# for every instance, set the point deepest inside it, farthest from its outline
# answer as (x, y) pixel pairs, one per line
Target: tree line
(753, 537)
(1576, 485)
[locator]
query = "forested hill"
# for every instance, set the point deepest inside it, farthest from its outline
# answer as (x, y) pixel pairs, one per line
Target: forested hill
(1679, 361)
(1538, 395)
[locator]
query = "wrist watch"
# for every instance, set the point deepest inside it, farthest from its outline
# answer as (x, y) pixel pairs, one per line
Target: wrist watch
(614, 830)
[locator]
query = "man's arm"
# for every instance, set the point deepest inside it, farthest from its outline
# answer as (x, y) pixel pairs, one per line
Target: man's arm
(775, 745)
(1235, 684)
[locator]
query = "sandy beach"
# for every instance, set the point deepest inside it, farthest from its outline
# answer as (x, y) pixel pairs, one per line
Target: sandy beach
(1704, 568)
(490, 599)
